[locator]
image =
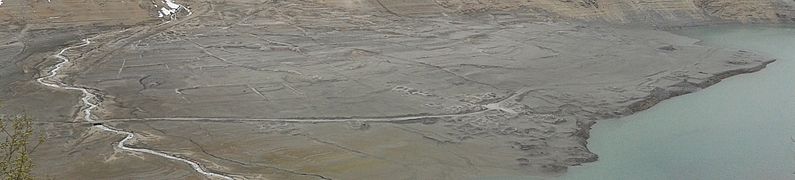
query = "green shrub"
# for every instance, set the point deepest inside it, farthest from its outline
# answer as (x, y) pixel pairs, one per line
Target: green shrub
(16, 147)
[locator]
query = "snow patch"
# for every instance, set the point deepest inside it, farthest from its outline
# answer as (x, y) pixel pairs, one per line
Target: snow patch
(166, 12)
(1, 2)
(170, 10)
(172, 5)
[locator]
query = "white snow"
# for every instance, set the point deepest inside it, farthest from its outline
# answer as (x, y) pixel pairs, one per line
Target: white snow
(170, 9)
(172, 5)
(166, 11)
(1, 2)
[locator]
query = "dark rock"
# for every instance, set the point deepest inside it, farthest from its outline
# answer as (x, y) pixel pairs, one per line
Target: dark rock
(667, 48)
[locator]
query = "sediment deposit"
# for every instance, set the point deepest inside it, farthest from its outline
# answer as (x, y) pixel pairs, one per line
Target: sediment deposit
(368, 89)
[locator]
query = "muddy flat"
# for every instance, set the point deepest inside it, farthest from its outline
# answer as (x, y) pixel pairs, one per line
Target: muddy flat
(334, 90)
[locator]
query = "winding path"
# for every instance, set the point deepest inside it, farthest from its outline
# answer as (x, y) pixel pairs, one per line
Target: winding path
(89, 103)
(499, 106)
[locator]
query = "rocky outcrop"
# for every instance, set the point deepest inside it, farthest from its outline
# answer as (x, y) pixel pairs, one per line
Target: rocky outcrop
(661, 12)
(748, 10)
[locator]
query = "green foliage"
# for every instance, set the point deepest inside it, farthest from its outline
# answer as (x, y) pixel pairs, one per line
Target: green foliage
(16, 147)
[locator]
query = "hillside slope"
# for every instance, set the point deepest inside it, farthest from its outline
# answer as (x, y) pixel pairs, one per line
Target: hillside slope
(657, 12)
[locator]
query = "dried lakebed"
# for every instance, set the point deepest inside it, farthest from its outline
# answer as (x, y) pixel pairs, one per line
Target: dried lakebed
(325, 93)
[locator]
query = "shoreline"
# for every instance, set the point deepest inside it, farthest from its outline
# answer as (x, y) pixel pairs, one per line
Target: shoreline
(707, 134)
(657, 95)
(454, 66)
(662, 94)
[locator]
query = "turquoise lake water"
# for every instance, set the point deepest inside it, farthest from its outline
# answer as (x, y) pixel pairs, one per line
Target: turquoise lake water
(741, 128)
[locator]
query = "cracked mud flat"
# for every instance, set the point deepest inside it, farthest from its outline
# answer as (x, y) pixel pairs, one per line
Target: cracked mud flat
(303, 90)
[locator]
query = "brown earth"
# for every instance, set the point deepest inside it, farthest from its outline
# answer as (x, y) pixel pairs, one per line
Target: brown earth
(355, 89)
